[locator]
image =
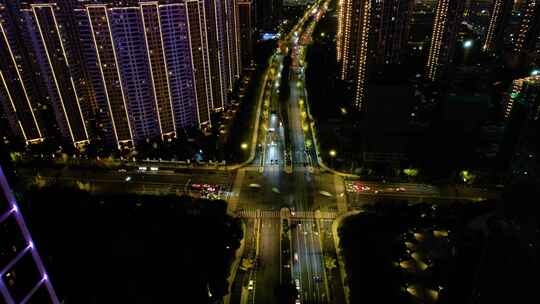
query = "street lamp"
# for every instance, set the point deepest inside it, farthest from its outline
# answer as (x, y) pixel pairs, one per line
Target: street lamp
(535, 72)
(333, 154)
(244, 146)
(468, 44)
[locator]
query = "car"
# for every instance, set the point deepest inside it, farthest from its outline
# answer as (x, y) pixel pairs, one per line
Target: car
(297, 283)
(250, 285)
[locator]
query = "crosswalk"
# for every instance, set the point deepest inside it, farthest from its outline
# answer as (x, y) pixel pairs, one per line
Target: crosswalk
(251, 213)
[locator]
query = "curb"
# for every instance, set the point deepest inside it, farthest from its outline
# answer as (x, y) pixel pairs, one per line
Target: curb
(335, 225)
(234, 267)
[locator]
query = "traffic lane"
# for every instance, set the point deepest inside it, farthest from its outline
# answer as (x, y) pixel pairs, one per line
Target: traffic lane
(325, 192)
(148, 177)
(256, 191)
(267, 277)
(308, 261)
(372, 187)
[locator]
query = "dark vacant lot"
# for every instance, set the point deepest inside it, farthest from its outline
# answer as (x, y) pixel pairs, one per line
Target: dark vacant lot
(132, 249)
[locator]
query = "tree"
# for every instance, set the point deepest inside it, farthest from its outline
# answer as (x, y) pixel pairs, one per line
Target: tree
(247, 264)
(411, 172)
(329, 263)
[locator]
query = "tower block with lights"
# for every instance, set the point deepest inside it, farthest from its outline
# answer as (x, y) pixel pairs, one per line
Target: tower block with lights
(448, 16)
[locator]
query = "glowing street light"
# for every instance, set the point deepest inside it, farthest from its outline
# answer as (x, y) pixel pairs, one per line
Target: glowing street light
(535, 72)
(468, 44)
(244, 146)
(333, 154)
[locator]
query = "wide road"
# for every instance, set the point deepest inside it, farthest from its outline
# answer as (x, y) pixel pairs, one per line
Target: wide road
(267, 279)
(308, 267)
(134, 181)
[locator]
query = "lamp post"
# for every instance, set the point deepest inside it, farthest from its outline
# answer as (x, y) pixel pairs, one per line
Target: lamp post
(333, 154)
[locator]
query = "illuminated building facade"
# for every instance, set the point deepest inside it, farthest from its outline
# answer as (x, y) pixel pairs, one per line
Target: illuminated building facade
(346, 42)
(158, 68)
(370, 33)
(501, 11)
(363, 44)
(120, 72)
(49, 46)
(522, 127)
(103, 66)
(15, 95)
(232, 30)
(179, 64)
(23, 278)
(529, 27)
(246, 31)
(448, 17)
(200, 59)
(215, 20)
(128, 32)
(393, 25)
(525, 91)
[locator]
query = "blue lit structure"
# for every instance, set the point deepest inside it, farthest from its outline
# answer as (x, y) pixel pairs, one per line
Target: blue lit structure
(23, 278)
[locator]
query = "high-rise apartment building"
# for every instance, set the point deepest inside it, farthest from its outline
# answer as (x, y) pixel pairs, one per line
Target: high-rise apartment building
(48, 43)
(448, 17)
(159, 73)
(370, 33)
(501, 12)
(15, 95)
(393, 25)
(135, 70)
(215, 20)
(23, 278)
(177, 46)
(526, 92)
(234, 46)
(201, 62)
(529, 28)
(104, 70)
(245, 9)
(521, 145)
(121, 72)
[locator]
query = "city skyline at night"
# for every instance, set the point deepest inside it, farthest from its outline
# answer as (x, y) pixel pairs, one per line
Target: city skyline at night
(269, 151)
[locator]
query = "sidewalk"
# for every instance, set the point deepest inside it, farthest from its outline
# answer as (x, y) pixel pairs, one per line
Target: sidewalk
(341, 264)
(235, 265)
